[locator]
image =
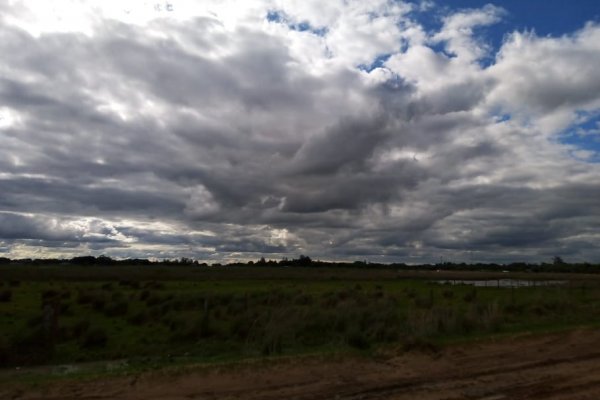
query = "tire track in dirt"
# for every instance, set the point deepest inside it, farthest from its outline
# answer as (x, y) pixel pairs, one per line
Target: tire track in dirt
(551, 367)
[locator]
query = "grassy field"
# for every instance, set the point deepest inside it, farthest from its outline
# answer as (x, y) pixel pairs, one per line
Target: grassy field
(60, 315)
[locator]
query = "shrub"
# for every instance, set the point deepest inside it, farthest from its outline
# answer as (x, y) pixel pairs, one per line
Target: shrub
(200, 328)
(421, 345)
(107, 286)
(144, 295)
(5, 351)
(272, 344)
(5, 296)
(116, 308)
(315, 326)
(424, 302)
(166, 307)
(95, 338)
(329, 300)
(34, 322)
(491, 316)
(174, 323)
(469, 321)
(64, 309)
(98, 303)
(154, 299)
(50, 294)
(241, 327)
(514, 308)
(94, 297)
(80, 328)
(154, 285)
(130, 283)
(470, 296)
(303, 300)
(84, 297)
(139, 318)
(357, 339)
(33, 346)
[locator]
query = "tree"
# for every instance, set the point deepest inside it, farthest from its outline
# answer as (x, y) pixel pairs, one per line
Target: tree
(556, 260)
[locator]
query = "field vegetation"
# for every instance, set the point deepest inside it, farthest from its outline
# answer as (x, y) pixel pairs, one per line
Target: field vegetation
(78, 314)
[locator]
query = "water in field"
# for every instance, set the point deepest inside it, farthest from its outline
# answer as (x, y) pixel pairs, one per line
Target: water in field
(503, 283)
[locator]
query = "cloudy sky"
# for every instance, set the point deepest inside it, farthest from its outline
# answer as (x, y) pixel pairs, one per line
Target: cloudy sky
(345, 130)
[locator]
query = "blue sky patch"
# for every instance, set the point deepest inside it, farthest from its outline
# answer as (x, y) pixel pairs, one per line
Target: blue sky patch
(544, 17)
(585, 136)
(303, 26)
(377, 63)
(275, 16)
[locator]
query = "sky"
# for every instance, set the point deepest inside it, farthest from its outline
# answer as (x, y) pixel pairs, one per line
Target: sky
(385, 131)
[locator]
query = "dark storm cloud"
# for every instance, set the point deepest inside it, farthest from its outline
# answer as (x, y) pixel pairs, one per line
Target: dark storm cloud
(14, 226)
(347, 145)
(33, 195)
(220, 140)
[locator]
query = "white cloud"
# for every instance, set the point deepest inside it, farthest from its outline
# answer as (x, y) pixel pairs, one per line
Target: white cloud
(210, 131)
(458, 32)
(201, 202)
(546, 80)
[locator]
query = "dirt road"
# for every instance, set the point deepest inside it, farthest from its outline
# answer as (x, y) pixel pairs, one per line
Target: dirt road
(550, 367)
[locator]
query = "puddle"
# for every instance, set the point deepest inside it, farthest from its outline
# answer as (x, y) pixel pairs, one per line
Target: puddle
(502, 283)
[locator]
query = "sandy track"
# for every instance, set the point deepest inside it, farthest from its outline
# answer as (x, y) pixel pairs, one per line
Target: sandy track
(553, 367)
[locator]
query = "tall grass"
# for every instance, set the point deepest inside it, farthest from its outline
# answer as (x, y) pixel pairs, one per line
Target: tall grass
(109, 320)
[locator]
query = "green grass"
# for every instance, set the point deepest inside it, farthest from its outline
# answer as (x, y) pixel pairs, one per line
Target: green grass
(172, 322)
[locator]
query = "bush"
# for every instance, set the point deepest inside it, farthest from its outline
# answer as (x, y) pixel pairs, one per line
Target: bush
(420, 345)
(470, 296)
(107, 286)
(64, 309)
(154, 299)
(272, 344)
(95, 338)
(358, 340)
(514, 308)
(32, 346)
(5, 351)
(116, 308)
(80, 328)
(130, 283)
(98, 303)
(94, 297)
(424, 301)
(35, 322)
(241, 327)
(200, 328)
(174, 323)
(144, 294)
(154, 285)
(5, 296)
(316, 326)
(139, 318)
(490, 316)
(50, 294)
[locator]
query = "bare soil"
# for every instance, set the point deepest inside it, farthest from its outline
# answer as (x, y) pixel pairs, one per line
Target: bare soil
(551, 367)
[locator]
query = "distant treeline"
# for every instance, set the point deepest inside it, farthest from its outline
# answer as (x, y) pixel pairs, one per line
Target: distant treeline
(556, 265)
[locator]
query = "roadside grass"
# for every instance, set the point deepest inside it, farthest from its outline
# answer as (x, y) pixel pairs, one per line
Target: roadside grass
(128, 326)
